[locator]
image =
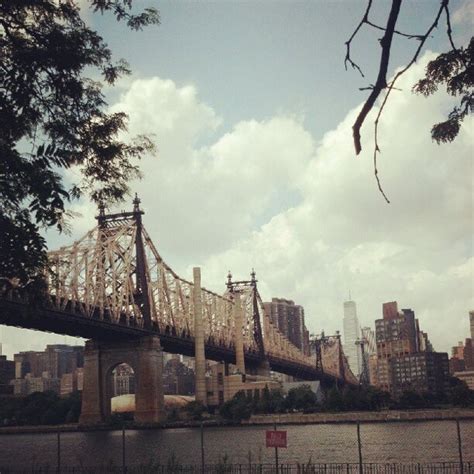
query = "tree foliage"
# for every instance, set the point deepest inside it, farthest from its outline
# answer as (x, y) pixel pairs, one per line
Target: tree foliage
(53, 117)
(40, 408)
(301, 398)
(195, 410)
(455, 71)
(237, 409)
(363, 398)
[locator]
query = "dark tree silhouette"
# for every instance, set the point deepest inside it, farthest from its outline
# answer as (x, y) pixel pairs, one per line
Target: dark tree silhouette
(52, 117)
(453, 68)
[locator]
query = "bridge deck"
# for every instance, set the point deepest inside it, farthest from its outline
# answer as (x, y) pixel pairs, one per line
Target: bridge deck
(15, 312)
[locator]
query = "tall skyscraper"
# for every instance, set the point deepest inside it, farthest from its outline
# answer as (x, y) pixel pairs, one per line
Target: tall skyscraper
(288, 317)
(351, 335)
(471, 321)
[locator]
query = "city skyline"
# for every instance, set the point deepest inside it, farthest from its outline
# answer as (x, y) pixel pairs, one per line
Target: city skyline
(259, 168)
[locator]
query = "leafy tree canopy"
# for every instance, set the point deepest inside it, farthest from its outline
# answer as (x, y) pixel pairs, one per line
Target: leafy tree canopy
(301, 398)
(53, 116)
(455, 70)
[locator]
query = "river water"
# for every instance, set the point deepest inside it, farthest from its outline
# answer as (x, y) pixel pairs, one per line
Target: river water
(423, 442)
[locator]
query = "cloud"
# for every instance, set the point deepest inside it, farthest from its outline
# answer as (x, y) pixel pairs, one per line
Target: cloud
(462, 19)
(307, 214)
(211, 192)
(464, 14)
(342, 236)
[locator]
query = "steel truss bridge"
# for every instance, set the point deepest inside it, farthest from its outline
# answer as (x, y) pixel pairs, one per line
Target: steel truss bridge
(113, 285)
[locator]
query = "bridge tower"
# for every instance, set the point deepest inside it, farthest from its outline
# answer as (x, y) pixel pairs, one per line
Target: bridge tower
(236, 289)
(144, 354)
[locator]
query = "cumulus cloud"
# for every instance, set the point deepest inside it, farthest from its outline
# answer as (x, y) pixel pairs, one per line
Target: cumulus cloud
(464, 14)
(306, 214)
(462, 19)
(209, 191)
(342, 236)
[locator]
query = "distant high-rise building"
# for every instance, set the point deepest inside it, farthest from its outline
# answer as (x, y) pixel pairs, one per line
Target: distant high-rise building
(396, 335)
(462, 355)
(461, 363)
(288, 317)
(37, 371)
(124, 380)
(56, 360)
(424, 344)
(405, 357)
(420, 372)
(458, 351)
(373, 370)
(469, 354)
(352, 334)
(7, 373)
(72, 382)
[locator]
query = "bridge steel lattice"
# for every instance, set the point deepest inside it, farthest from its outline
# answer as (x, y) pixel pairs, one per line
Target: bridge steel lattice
(112, 285)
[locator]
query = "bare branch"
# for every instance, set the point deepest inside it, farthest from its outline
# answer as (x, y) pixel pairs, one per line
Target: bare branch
(365, 20)
(419, 37)
(348, 59)
(381, 83)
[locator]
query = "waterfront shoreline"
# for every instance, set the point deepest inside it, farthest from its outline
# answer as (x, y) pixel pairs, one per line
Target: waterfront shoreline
(388, 416)
(383, 416)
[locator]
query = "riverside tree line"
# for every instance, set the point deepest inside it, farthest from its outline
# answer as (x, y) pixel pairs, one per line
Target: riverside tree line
(47, 408)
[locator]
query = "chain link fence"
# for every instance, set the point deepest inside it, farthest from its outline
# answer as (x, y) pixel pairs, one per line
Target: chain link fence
(364, 448)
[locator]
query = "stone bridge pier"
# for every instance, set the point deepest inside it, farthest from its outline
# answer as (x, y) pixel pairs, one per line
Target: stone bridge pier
(144, 356)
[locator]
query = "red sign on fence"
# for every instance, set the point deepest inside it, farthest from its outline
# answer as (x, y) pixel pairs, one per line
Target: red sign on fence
(276, 439)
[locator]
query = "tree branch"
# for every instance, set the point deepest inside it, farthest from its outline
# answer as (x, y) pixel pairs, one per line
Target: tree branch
(381, 83)
(348, 59)
(373, 25)
(444, 4)
(449, 32)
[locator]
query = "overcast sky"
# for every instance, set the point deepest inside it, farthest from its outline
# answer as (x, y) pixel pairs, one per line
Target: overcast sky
(251, 109)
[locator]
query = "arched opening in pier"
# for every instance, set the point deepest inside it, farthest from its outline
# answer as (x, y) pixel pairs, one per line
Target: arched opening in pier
(122, 385)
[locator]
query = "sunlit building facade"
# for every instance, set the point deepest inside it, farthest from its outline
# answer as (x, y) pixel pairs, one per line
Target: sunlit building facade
(352, 334)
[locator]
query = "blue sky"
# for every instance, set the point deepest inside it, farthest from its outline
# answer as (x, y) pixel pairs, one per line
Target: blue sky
(251, 109)
(258, 58)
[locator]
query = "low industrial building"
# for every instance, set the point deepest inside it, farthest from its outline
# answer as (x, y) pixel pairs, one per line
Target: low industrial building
(224, 382)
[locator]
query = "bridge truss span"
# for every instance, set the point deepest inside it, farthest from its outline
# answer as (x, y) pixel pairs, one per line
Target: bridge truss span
(113, 279)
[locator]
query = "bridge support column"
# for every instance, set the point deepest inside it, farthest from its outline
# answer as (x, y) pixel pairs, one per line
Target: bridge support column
(199, 352)
(239, 339)
(91, 409)
(145, 357)
(149, 398)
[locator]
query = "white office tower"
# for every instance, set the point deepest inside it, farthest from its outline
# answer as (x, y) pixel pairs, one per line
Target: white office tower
(351, 335)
